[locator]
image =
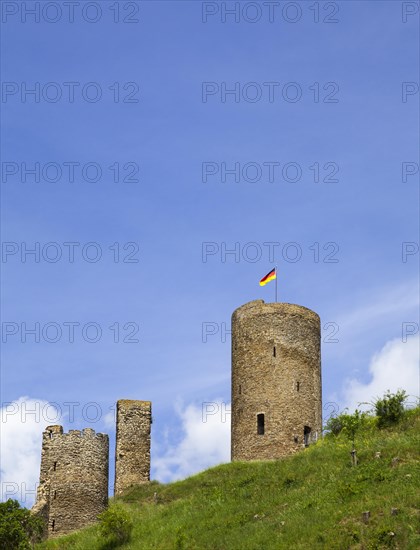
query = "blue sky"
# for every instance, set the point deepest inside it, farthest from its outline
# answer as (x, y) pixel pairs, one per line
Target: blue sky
(361, 62)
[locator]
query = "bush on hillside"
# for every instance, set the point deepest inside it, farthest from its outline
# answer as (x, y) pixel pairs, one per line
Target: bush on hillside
(348, 424)
(390, 408)
(387, 411)
(115, 526)
(19, 529)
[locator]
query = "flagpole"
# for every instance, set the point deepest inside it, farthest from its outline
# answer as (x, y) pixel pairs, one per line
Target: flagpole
(276, 282)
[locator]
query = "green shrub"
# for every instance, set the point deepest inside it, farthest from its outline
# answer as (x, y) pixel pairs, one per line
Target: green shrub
(19, 529)
(334, 425)
(348, 424)
(390, 408)
(115, 526)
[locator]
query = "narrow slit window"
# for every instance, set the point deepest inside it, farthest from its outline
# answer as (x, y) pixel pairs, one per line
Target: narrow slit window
(55, 466)
(55, 495)
(240, 389)
(297, 386)
(53, 525)
(306, 435)
(260, 424)
(274, 351)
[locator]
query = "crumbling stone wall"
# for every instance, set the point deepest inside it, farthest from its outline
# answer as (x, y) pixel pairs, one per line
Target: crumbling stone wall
(132, 451)
(73, 486)
(276, 372)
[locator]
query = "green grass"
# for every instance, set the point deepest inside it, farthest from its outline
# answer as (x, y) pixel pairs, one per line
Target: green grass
(312, 500)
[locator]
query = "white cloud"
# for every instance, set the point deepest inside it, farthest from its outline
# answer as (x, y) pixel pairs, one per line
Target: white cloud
(21, 425)
(109, 419)
(390, 302)
(370, 313)
(205, 442)
(395, 366)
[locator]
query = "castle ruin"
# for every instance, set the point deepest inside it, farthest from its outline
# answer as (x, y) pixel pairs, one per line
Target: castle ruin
(132, 450)
(276, 411)
(276, 380)
(73, 484)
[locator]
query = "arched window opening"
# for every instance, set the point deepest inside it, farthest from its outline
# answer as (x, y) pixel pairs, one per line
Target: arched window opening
(260, 424)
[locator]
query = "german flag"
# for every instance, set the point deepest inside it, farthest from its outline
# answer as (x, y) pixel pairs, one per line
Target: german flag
(269, 277)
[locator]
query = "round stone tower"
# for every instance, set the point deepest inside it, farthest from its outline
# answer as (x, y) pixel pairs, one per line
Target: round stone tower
(73, 484)
(276, 380)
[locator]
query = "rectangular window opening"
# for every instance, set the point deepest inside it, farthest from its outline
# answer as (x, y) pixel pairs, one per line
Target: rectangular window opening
(260, 424)
(306, 435)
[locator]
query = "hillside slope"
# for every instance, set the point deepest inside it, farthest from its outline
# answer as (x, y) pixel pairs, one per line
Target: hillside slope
(312, 500)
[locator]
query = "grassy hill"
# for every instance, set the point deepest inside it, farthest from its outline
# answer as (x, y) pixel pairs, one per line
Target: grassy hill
(312, 500)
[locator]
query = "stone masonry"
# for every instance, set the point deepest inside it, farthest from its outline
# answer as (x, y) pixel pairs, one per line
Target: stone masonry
(73, 487)
(276, 380)
(132, 451)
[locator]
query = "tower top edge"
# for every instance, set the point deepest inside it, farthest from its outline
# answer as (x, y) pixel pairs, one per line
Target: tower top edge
(133, 403)
(256, 307)
(57, 430)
